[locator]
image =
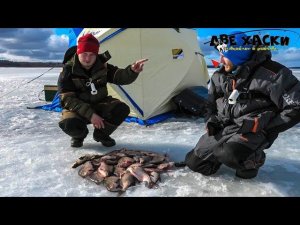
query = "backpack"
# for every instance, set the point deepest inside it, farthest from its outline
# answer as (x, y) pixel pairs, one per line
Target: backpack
(192, 101)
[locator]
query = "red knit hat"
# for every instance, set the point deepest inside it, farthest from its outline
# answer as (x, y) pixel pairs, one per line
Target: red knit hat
(88, 43)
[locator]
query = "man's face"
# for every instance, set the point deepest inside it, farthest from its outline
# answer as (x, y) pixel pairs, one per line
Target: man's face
(87, 59)
(227, 63)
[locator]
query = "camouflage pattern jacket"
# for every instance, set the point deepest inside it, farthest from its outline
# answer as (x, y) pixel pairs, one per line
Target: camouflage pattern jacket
(75, 94)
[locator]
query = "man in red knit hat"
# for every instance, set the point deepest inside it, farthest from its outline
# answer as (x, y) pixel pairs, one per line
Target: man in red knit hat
(84, 96)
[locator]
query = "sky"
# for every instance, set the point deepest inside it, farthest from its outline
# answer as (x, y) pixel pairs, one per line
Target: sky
(32, 44)
(50, 44)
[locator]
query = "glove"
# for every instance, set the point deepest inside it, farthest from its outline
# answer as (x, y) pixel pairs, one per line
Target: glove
(213, 126)
(271, 136)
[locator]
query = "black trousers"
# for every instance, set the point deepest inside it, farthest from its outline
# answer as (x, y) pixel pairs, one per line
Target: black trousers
(77, 127)
(245, 161)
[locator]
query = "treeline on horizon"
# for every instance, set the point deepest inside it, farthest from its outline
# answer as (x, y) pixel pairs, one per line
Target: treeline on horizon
(7, 63)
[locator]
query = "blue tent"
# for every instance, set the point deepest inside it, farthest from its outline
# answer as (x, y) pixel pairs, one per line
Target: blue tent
(55, 106)
(198, 90)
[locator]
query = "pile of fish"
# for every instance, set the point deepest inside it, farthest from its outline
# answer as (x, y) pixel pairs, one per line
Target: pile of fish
(120, 169)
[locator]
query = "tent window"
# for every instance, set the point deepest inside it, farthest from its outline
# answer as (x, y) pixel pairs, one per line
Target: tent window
(177, 53)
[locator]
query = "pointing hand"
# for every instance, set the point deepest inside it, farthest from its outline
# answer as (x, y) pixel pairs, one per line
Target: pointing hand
(137, 67)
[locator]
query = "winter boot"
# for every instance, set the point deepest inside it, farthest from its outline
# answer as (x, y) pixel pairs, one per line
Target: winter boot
(76, 128)
(102, 135)
(246, 174)
(107, 141)
(76, 142)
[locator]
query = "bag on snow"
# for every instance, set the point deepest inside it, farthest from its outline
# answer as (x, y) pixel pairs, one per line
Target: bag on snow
(192, 101)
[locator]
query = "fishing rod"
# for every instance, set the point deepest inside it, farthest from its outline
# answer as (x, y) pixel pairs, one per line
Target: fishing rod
(26, 82)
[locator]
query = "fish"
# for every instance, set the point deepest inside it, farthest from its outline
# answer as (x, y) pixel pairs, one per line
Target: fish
(148, 165)
(125, 162)
(140, 175)
(112, 183)
(154, 176)
(144, 159)
(120, 169)
(85, 158)
(166, 166)
(96, 162)
(127, 180)
(96, 177)
(105, 170)
(86, 169)
(157, 159)
(109, 157)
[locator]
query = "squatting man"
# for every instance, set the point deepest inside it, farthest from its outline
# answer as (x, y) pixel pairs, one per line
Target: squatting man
(251, 100)
(82, 87)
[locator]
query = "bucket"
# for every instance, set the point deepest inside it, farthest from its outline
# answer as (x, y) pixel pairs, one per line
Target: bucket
(50, 91)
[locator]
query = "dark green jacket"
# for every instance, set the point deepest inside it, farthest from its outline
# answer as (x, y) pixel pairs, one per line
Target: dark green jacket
(74, 93)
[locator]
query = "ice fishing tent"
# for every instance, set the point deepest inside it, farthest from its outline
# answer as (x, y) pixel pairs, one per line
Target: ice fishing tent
(175, 63)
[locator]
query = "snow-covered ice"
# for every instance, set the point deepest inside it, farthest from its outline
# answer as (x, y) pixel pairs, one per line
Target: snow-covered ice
(36, 158)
